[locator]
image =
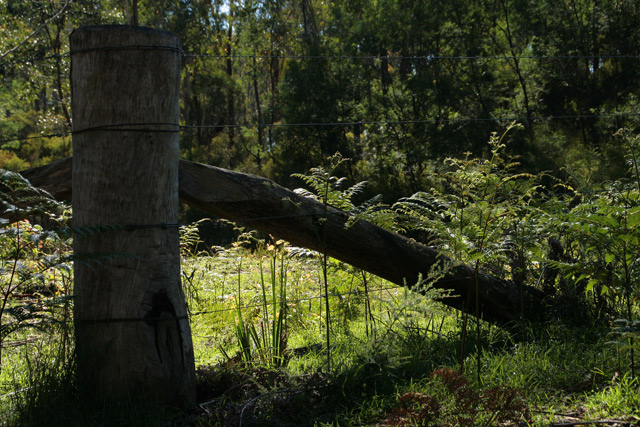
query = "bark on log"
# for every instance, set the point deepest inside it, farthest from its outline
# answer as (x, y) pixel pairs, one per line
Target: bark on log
(262, 204)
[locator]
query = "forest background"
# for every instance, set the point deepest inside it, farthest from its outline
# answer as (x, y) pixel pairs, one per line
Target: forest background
(276, 87)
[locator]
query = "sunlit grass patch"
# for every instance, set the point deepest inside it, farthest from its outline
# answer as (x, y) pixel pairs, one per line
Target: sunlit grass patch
(388, 344)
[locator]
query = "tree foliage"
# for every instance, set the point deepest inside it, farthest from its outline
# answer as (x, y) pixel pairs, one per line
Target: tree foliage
(274, 87)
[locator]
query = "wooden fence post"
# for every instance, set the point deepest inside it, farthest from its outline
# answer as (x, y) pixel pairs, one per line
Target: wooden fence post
(133, 339)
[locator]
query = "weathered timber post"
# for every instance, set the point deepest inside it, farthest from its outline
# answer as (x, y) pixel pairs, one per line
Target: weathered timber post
(133, 339)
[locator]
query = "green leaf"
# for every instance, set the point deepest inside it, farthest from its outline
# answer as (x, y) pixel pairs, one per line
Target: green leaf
(592, 282)
(608, 258)
(634, 218)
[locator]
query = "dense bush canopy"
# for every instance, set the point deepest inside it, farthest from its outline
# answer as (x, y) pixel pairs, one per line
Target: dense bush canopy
(275, 87)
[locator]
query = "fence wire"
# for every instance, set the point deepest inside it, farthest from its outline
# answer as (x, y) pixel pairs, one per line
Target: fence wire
(144, 127)
(367, 58)
(359, 293)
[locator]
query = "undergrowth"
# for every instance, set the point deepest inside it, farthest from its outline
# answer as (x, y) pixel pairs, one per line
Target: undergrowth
(285, 336)
(391, 367)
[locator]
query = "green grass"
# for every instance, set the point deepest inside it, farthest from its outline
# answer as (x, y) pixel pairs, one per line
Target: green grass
(397, 365)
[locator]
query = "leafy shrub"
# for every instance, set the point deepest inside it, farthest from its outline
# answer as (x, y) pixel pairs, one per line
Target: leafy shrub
(35, 265)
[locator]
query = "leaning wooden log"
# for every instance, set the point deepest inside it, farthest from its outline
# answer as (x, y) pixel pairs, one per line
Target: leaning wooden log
(264, 205)
(54, 178)
(22, 200)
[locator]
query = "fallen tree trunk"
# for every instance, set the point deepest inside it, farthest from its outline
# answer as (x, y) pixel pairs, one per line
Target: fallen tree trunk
(264, 205)
(54, 178)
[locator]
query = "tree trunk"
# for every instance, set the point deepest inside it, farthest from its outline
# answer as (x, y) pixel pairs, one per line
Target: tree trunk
(256, 93)
(264, 205)
(230, 90)
(133, 339)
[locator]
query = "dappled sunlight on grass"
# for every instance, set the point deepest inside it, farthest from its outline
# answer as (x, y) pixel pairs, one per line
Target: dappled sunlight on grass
(391, 351)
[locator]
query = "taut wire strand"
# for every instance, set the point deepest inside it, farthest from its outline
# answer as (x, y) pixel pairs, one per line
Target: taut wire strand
(134, 47)
(130, 127)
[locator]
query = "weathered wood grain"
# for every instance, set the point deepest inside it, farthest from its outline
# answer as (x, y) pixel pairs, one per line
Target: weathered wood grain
(133, 340)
